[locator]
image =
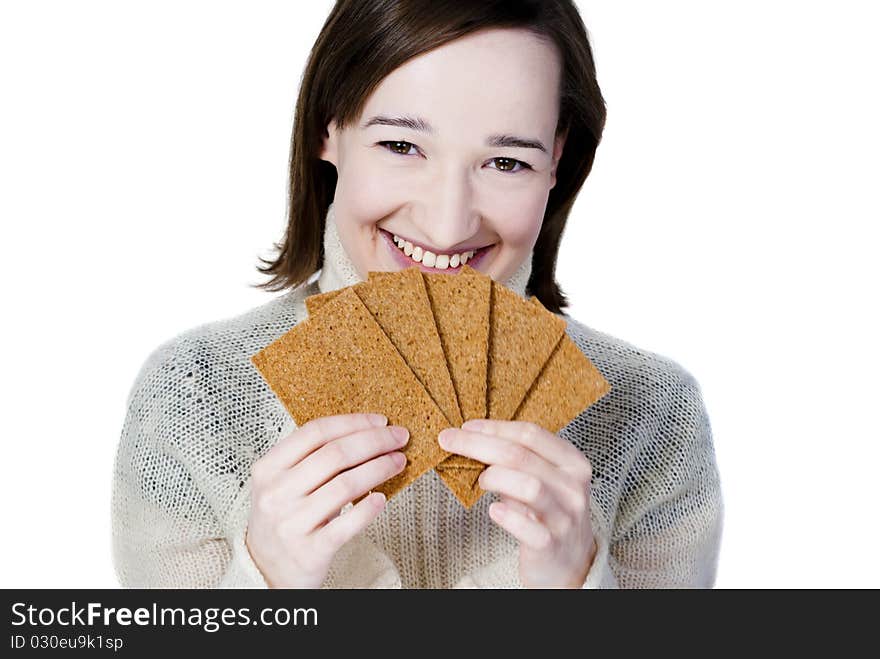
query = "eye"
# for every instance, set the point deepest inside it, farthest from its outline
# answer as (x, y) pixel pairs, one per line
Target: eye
(401, 148)
(509, 164)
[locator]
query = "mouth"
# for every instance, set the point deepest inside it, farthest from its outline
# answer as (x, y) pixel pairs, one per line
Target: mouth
(417, 256)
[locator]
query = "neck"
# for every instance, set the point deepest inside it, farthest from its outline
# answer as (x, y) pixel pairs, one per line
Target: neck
(338, 270)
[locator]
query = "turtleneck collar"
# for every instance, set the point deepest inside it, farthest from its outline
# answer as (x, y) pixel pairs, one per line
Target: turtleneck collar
(339, 272)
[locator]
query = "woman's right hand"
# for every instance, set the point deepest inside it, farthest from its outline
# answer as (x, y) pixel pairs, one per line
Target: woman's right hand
(299, 487)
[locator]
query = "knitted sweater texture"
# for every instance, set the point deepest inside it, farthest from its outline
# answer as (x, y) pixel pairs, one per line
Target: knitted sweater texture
(199, 414)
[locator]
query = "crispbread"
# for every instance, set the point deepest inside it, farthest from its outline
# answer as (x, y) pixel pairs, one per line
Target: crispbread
(477, 349)
(521, 338)
(339, 361)
(567, 385)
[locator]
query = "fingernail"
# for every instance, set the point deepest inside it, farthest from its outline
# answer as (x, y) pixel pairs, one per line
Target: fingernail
(377, 419)
(399, 459)
(400, 434)
(444, 436)
(473, 424)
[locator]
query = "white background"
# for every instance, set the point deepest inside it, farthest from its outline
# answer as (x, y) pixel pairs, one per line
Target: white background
(730, 223)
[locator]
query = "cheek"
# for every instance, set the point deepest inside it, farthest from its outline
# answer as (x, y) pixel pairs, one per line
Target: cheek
(363, 194)
(519, 217)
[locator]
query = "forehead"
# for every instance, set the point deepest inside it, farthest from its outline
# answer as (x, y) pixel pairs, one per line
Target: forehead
(500, 79)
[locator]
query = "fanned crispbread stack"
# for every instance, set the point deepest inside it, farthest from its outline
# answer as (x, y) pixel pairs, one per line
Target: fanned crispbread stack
(430, 351)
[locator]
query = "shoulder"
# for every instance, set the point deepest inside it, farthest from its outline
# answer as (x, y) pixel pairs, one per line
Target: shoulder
(629, 368)
(651, 432)
(228, 343)
(203, 378)
(654, 405)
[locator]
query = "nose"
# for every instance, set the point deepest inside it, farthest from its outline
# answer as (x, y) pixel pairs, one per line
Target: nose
(449, 216)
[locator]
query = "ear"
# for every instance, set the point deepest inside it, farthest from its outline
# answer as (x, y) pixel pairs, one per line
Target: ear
(329, 145)
(558, 145)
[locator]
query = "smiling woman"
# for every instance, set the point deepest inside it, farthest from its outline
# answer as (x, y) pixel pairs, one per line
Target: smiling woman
(428, 133)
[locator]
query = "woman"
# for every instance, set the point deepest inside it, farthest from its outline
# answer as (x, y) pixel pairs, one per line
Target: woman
(429, 133)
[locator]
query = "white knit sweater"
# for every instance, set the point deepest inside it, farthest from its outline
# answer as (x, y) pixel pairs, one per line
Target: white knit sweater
(199, 415)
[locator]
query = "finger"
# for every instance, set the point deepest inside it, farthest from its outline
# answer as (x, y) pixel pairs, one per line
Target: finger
(549, 446)
(337, 456)
(328, 499)
(493, 450)
(520, 507)
(344, 527)
(535, 493)
(558, 522)
(314, 434)
(529, 532)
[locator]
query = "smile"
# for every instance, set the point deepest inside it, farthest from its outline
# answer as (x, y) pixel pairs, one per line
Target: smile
(407, 255)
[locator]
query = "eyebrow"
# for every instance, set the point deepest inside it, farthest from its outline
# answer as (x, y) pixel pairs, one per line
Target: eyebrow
(420, 125)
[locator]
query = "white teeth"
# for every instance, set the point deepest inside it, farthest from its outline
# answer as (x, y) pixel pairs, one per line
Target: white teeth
(429, 258)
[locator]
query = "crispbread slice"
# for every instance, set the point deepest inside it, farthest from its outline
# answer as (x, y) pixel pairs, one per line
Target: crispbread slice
(461, 310)
(315, 302)
(339, 361)
(521, 338)
(568, 384)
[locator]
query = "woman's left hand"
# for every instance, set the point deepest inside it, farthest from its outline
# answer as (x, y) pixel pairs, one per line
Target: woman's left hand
(544, 485)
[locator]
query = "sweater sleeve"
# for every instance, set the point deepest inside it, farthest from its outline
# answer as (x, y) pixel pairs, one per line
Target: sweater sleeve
(158, 543)
(169, 519)
(670, 518)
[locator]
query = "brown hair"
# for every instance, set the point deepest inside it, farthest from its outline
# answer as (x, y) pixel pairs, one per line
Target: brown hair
(363, 41)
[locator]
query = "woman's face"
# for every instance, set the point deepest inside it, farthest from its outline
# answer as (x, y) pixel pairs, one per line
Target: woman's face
(455, 152)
